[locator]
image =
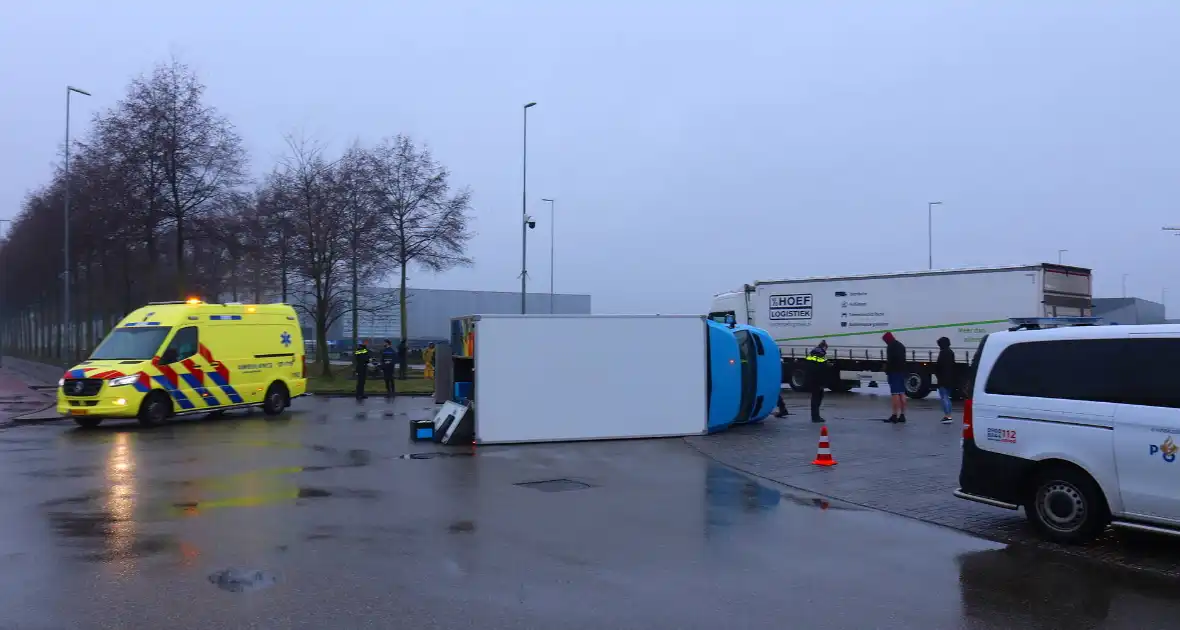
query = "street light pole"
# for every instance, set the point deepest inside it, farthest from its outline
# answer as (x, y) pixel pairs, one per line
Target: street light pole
(552, 204)
(524, 214)
(1059, 255)
(3, 315)
(930, 232)
(1125, 284)
(65, 332)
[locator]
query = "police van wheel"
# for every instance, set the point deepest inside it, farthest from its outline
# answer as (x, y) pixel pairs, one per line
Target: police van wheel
(276, 400)
(155, 409)
(1066, 505)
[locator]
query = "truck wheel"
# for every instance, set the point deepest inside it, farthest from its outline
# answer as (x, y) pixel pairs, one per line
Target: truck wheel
(799, 379)
(276, 399)
(155, 409)
(843, 387)
(87, 422)
(917, 385)
(1066, 505)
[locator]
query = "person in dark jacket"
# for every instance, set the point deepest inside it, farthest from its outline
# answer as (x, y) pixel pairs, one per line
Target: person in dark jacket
(895, 370)
(817, 378)
(361, 355)
(388, 363)
(944, 369)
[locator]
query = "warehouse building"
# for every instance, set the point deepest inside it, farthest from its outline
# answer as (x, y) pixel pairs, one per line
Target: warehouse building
(429, 313)
(1129, 310)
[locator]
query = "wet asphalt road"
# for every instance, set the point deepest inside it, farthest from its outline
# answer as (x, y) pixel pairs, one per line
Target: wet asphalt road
(318, 520)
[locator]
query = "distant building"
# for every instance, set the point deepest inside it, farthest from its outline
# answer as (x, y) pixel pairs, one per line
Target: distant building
(1129, 311)
(429, 312)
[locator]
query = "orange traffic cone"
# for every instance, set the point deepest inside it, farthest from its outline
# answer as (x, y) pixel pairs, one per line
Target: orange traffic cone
(823, 455)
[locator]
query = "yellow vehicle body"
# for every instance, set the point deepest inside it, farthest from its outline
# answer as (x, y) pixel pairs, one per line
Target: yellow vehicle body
(180, 358)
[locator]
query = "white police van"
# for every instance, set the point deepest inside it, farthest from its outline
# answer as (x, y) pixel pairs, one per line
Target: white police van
(1079, 425)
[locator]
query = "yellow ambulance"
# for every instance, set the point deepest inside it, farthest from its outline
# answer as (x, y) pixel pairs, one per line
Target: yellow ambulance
(177, 358)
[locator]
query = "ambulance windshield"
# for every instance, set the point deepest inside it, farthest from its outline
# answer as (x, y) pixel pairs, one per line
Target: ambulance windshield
(131, 344)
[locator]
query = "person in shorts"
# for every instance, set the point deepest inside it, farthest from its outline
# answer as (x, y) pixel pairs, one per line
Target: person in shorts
(895, 371)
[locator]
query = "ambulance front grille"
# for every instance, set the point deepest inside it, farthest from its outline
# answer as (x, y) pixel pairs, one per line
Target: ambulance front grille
(81, 386)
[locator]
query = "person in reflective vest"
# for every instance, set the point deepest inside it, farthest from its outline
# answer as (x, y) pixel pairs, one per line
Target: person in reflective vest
(388, 363)
(817, 377)
(361, 355)
(428, 359)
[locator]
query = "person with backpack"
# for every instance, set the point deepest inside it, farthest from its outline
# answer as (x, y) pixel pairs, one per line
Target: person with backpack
(944, 370)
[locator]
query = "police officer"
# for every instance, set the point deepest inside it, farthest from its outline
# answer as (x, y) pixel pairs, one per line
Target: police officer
(817, 377)
(388, 362)
(362, 369)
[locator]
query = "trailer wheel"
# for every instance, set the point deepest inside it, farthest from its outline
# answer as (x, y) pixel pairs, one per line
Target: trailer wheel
(843, 387)
(917, 385)
(799, 378)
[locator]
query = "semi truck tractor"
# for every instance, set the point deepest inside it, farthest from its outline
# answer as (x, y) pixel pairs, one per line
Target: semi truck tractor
(853, 312)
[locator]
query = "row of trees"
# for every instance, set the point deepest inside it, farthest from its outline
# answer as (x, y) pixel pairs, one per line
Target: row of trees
(163, 206)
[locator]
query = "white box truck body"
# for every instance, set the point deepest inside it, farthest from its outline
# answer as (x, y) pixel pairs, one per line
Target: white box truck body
(852, 313)
(542, 378)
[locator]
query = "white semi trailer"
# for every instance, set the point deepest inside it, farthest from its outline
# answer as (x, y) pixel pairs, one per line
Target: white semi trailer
(853, 312)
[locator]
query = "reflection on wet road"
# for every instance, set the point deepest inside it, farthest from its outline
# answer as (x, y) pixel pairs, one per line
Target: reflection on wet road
(322, 519)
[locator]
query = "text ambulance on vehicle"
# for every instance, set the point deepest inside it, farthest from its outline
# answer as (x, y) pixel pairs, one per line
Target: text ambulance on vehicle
(178, 358)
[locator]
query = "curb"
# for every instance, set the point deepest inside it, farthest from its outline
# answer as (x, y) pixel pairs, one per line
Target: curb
(353, 395)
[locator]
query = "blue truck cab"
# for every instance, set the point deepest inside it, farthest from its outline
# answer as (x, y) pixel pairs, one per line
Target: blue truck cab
(744, 374)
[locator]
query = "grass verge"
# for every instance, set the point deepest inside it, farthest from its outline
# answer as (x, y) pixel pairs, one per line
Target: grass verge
(341, 383)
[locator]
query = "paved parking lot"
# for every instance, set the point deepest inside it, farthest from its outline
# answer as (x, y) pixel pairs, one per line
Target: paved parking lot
(909, 469)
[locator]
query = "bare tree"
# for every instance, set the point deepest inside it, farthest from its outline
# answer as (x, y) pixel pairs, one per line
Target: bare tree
(307, 182)
(426, 224)
(201, 156)
(367, 261)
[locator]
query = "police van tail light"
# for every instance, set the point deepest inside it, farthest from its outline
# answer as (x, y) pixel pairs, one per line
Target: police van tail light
(968, 418)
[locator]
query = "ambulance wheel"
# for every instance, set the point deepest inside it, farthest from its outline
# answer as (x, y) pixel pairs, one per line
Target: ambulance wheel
(276, 399)
(87, 423)
(155, 409)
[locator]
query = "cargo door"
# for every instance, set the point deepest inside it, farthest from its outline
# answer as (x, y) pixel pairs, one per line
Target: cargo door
(1066, 292)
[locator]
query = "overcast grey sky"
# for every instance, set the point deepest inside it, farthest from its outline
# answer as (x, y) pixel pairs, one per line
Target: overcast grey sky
(691, 147)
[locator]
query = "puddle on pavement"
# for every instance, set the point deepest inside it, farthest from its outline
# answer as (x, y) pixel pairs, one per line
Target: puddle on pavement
(731, 495)
(68, 472)
(242, 580)
(437, 455)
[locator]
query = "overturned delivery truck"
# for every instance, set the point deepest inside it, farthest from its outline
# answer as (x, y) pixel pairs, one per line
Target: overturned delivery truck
(541, 378)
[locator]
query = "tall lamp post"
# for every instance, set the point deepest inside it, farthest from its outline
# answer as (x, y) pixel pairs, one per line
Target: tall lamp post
(524, 214)
(1060, 255)
(930, 232)
(1125, 284)
(3, 318)
(552, 204)
(65, 333)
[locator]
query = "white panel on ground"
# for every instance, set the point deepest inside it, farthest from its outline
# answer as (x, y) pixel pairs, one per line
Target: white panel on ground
(555, 378)
(452, 424)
